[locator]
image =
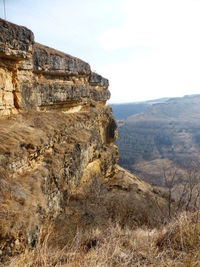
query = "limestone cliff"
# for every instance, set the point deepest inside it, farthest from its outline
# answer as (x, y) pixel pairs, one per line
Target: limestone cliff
(36, 77)
(58, 163)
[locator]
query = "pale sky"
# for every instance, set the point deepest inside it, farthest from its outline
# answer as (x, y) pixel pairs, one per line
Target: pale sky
(146, 48)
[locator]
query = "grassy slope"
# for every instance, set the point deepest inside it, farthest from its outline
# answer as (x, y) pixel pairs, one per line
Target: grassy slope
(176, 244)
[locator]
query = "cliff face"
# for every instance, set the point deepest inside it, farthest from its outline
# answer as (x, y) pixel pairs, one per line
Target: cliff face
(58, 163)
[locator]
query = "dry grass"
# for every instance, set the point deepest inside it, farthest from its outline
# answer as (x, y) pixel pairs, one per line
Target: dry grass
(177, 244)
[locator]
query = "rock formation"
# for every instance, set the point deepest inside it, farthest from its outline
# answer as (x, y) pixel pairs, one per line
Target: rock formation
(58, 163)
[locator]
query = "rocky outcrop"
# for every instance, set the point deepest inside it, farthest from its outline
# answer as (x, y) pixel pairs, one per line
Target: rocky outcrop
(36, 77)
(16, 42)
(58, 163)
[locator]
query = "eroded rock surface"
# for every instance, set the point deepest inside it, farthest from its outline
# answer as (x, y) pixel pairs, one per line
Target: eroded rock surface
(36, 77)
(15, 41)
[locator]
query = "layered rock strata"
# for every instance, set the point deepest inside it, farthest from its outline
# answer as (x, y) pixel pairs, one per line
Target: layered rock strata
(58, 163)
(36, 77)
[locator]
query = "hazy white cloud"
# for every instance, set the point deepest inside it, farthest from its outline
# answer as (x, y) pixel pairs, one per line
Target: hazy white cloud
(159, 23)
(171, 66)
(147, 48)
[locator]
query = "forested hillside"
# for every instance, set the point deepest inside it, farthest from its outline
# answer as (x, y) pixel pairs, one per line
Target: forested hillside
(165, 133)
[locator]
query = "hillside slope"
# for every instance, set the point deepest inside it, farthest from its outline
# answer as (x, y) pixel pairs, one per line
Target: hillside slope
(166, 133)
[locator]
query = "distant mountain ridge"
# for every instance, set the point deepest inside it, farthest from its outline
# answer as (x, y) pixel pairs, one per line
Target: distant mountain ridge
(123, 111)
